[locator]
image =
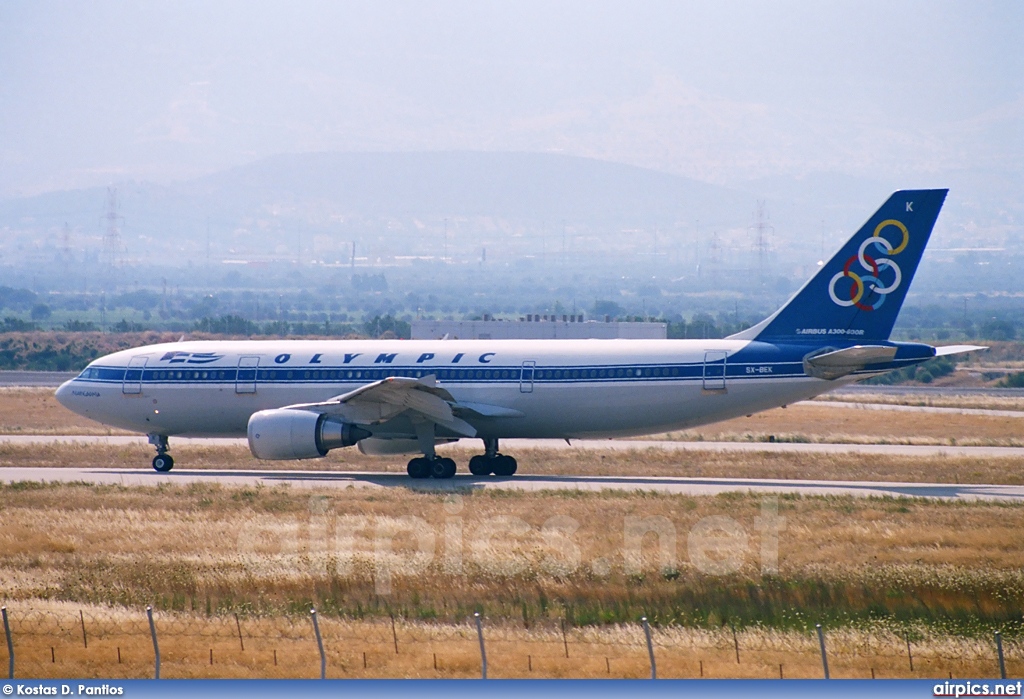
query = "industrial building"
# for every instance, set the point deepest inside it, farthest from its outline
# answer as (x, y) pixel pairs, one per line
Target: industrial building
(537, 327)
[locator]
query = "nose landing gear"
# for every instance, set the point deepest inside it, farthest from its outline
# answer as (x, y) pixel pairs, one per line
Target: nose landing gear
(162, 462)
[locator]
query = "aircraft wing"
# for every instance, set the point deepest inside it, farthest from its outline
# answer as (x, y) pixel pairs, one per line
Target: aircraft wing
(382, 400)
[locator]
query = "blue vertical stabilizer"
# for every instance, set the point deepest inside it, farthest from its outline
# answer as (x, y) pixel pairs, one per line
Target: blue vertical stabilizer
(858, 293)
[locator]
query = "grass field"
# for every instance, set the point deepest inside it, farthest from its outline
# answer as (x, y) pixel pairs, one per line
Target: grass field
(591, 558)
(821, 422)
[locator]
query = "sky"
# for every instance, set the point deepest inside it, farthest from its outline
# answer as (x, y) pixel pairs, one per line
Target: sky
(917, 93)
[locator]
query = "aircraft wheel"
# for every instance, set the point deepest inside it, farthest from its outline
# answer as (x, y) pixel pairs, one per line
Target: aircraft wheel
(163, 463)
(442, 468)
(418, 468)
(480, 465)
(504, 465)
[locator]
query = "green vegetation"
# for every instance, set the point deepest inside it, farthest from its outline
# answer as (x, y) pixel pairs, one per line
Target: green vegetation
(1015, 380)
(922, 373)
(24, 348)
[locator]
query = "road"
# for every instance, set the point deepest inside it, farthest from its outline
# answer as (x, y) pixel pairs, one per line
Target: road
(512, 445)
(985, 412)
(45, 379)
(525, 482)
(928, 391)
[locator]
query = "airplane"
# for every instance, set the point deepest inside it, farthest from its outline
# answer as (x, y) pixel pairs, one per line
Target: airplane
(300, 399)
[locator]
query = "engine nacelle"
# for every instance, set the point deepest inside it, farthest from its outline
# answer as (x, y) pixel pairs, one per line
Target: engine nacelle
(298, 434)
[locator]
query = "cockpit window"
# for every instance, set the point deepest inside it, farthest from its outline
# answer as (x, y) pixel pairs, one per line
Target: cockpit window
(89, 373)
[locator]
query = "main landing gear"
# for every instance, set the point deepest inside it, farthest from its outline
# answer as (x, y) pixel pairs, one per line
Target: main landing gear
(492, 462)
(162, 462)
(482, 465)
(438, 467)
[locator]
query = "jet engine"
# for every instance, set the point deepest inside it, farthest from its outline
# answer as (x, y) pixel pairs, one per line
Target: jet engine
(299, 434)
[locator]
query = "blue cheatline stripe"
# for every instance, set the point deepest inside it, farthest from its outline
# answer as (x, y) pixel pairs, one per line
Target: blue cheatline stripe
(667, 373)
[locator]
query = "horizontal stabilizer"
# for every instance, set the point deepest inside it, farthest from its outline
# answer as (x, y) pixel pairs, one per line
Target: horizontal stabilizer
(832, 364)
(957, 349)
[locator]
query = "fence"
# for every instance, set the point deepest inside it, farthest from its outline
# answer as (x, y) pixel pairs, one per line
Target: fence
(127, 643)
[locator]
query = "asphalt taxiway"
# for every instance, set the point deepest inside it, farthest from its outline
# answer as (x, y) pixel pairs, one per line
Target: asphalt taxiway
(513, 445)
(524, 482)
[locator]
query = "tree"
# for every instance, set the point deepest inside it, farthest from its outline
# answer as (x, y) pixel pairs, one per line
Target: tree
(996, 329)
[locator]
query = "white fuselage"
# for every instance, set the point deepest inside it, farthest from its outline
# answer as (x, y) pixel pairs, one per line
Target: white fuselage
(557, 388)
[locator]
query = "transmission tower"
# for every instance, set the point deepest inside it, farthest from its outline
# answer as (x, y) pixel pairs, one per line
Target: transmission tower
(65, 246)
(762, 244)
(112, 236)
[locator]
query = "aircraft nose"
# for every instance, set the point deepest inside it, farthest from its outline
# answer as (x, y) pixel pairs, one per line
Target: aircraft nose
(63, 394)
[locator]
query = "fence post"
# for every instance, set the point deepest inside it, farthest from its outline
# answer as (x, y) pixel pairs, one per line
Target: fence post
(85, 639)
(821, 642)
(319, 644)
(650, 648)
(10, 644)
(999, 648)
(483, 651)
(910, 656)
(238, 625)
(156, 646)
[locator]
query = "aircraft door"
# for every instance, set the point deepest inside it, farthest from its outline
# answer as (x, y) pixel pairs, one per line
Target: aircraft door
(714, 370)
(245, 379)
(133, 376)
(526, 376)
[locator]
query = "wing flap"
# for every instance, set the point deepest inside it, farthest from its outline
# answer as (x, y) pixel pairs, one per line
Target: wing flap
(485, 410)
(382, 400)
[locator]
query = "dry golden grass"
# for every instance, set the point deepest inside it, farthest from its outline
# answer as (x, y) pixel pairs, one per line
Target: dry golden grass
(358, 551)
(36, 411)
(820, 422)
(118, 645)
(596, 462)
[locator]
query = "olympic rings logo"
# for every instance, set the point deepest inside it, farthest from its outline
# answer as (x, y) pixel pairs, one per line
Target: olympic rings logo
(861, 283)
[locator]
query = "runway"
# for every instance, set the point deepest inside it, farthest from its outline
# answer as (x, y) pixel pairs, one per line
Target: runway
(523, 482)
(513, 445)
